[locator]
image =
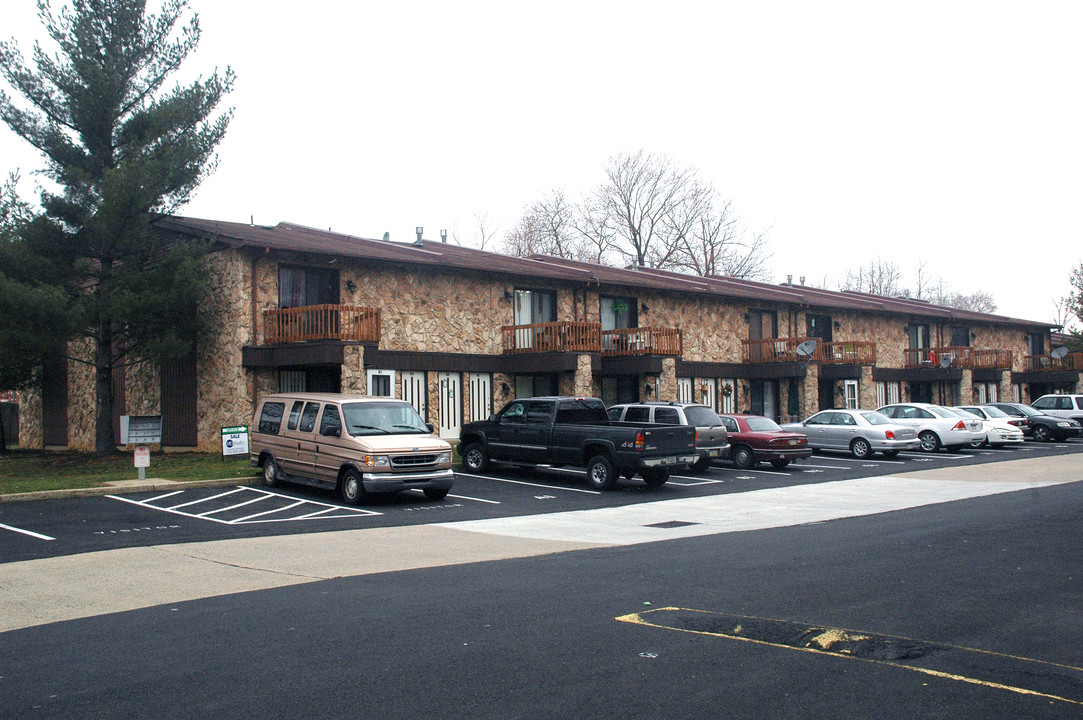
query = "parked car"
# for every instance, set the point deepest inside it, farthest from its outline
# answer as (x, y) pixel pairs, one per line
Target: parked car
(353, 443)
(710, 433)
(1042, 427)
(754, 439)
(936, 425)
(999, 428)
(1065, 406)
(860, 432)
(560, 430)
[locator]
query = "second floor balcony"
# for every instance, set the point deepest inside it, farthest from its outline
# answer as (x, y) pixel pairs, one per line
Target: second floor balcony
(848, 352)
(321, 322)
(1071, 361)
(958, 357)
(578, 336)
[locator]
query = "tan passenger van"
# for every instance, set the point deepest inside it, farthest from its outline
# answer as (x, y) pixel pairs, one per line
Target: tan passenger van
(354, 443)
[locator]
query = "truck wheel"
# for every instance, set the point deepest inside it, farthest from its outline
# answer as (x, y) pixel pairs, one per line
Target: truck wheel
(270, 472)
(702, 464)
(475, 458)
(435, 493)
(655, 477)
(600, 475)
(350, 488)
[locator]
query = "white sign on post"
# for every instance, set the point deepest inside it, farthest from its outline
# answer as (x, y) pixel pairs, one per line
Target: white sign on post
(142, 456)
(235, 440)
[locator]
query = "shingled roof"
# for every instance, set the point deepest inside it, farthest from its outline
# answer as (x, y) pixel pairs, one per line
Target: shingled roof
(298, 238)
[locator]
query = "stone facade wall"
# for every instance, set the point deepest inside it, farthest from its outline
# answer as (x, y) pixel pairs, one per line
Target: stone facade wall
(82, 402)
(30, 419)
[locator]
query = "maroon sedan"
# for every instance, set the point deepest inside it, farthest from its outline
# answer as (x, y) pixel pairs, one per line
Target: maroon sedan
(754, 439)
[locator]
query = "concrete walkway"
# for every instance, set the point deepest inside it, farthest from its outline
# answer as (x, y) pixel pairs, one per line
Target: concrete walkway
(43, 591)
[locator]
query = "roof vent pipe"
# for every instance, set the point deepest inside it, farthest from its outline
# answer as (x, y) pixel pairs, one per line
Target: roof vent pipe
(802, 278)
(789, 280)
(418, 230)
(443, 236)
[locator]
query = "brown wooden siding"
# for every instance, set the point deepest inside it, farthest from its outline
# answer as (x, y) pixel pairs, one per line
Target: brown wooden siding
(179, 423)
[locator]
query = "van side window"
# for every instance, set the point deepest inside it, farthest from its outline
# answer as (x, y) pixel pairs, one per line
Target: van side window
(295, 413)
(308, 417)
(330, 423)
(270, 418)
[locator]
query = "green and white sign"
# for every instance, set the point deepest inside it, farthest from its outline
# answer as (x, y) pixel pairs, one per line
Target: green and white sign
(235, 440)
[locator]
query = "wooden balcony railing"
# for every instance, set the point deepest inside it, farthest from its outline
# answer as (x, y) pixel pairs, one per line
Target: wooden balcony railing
(563, 336)
(321, 322)
(1071, 361)
(958, 357)
(848, 352)
(642, 341)
(851, 352)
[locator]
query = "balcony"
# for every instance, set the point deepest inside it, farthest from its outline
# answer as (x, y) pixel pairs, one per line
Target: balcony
(1070, 362)
(641, 341)
(771, 350)
(561, 336)
(351, 323)
(958, 357)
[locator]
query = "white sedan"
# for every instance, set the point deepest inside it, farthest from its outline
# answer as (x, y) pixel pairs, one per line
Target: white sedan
(937, 425)
(999, 430)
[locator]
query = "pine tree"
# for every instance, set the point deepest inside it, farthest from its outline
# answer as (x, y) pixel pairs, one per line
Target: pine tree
(122, 150)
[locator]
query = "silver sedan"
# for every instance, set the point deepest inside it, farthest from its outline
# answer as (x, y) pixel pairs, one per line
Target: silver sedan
(861, 432)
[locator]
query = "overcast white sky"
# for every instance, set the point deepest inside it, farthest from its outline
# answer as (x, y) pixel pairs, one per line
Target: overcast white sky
(945, 131)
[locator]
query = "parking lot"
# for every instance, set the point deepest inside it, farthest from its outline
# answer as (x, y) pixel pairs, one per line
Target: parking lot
(61, 527)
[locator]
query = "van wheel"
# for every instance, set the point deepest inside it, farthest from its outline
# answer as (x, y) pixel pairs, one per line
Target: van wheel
(655, 477)
(600, 475)
(350, 488)
(475, 458)
(270, 472)
(435, 493)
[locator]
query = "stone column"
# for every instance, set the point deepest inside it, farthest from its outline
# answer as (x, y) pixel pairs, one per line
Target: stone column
(866, 389)
(1004, 387)
(667, 380)
(810, 396)
(966, 387)
(353, 378)
(584, 378)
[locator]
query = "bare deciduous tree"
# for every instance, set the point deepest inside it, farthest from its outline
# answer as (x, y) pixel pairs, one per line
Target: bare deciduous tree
(548, 227)
(879, 277)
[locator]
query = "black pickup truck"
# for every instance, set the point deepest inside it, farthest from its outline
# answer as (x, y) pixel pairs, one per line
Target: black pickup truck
(559, 431)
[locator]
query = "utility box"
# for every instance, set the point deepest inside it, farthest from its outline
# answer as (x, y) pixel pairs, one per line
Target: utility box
(140, 429)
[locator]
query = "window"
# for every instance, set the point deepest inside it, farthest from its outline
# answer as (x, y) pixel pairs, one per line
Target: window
(301, 287)
(527, 386)
(308, 417)
(887, 393)
(731, 425)
(919, 336)
(539, 413)
(514, 412)
(295, 414)
(270, 418)
(960, 336)
(382, 383)
(583, 412)
(330, 423)
(638, 414)
(823, 418)
(667, 416)
(843, 419)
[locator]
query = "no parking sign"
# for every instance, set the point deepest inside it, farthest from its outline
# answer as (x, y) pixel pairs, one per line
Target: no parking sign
(235, 440)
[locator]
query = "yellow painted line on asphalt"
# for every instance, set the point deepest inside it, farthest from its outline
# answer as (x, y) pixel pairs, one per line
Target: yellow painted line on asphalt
(940, 660)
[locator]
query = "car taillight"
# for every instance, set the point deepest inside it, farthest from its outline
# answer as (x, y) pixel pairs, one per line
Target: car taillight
(889, 434)
(960, 426)
(641, 441)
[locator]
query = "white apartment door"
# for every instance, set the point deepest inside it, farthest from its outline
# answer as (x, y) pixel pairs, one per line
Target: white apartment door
(415, 391)
(451, 405)
(481, 396)
(708, 393)
(684, 390)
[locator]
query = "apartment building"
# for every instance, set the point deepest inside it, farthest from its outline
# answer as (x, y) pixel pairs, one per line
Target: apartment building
(459, 332)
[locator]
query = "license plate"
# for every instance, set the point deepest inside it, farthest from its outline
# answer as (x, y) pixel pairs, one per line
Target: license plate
(794, 441)
(714, 453)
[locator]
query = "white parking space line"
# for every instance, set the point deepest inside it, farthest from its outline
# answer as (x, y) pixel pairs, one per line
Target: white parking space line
(322, 513)
(694, 481)
(530, 484)
(31, 533)
(800, 466)
(833, 458)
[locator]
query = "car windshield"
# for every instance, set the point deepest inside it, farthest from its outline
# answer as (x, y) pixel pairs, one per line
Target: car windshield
(702, 416)
(382, 418)
(995, 412)
(876, 418)
(966, 412)
(761, 424)
(942, 411)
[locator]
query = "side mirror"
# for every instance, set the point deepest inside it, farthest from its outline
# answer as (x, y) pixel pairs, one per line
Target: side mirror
(492, 417)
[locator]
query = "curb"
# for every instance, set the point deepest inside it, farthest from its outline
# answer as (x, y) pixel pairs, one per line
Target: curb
(128, 486)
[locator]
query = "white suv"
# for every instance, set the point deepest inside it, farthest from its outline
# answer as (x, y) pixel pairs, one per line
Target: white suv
(1065, 406)
(710, 433)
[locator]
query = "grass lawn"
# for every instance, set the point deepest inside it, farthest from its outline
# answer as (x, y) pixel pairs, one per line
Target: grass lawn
(32, 470)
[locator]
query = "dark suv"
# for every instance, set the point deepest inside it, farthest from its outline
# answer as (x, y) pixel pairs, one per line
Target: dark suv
(1041, 427)
(710, 434)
